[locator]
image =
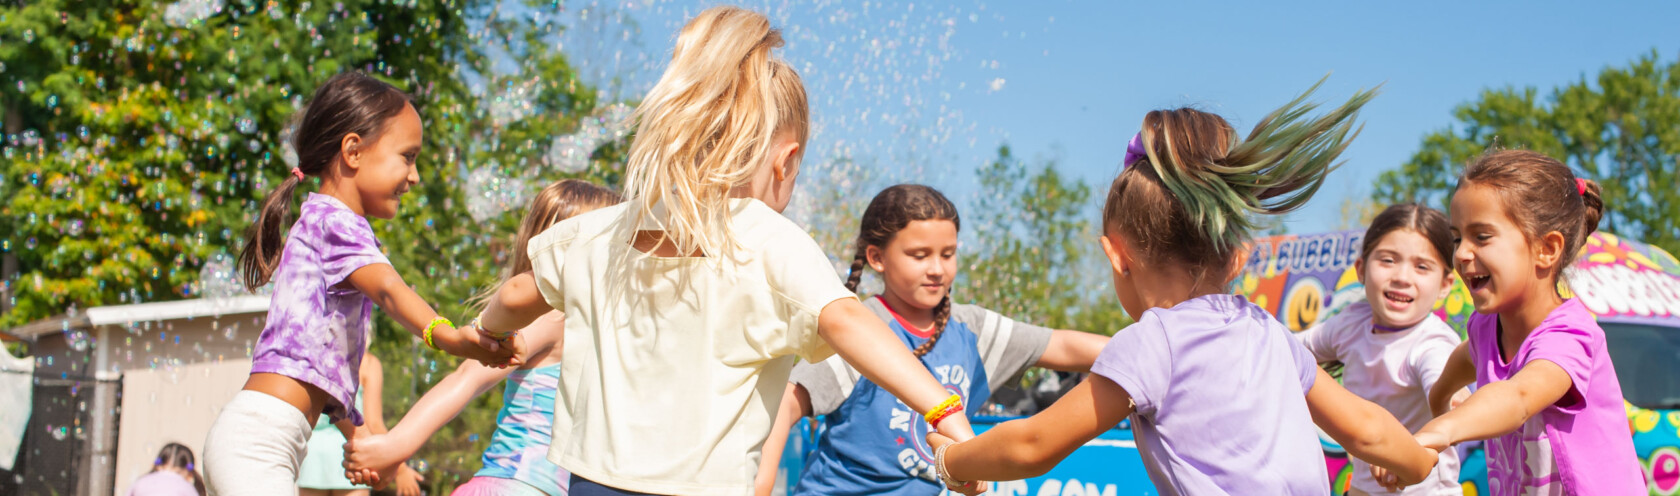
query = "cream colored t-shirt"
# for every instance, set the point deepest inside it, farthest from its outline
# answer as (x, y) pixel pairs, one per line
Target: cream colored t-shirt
(674, 367)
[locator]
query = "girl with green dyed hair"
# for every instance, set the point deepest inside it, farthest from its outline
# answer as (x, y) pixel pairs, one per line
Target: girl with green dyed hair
(1221, 397)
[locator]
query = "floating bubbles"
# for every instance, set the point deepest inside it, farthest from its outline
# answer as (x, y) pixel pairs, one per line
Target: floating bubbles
(571, 153)
(288, 153)
(219, 278)
(246, 125)
(186, 12)
(75, 227)
(489, 192)
(78, 340)
(58, 433)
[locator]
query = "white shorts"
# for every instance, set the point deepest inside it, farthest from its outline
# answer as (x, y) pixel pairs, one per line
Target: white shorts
(255, 447)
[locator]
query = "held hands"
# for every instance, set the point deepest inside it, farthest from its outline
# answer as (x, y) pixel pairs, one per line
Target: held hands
(408, 481)
(472, 342)
(1435, 442)
(373, 460)
(941, 444)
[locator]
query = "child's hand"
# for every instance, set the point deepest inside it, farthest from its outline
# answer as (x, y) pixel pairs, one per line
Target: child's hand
(479, 346)
(1392, 482)
(1433, 440)
(370, 459)
(408, 481)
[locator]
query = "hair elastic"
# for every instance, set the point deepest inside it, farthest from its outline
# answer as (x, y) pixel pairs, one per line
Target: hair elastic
(297, 173)
(1581, 186)
(1135, 151)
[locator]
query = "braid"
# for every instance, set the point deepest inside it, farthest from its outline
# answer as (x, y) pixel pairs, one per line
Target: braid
(856, 274)
(941, 315)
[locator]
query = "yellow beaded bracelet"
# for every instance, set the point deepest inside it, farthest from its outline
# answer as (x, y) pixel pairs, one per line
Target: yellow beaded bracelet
(945, 408)
(428, 334)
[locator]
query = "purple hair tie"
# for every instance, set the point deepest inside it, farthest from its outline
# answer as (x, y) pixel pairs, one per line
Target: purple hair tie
(1135, 151)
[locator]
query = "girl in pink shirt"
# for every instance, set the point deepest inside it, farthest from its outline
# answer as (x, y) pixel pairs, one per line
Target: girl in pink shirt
(1548, 402)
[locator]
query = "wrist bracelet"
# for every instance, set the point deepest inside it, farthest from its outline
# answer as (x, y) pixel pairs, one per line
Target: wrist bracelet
(427, 336)
(951, 405)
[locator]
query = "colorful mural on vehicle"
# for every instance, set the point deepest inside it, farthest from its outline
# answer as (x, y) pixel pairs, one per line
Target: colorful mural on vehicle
(1632, 287)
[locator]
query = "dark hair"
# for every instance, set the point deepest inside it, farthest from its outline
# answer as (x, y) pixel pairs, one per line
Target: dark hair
(1541, 195)
(1190, 198)
(891, 210)
(555, 203)
(1427, 222)
(350, 102)
(179, 456)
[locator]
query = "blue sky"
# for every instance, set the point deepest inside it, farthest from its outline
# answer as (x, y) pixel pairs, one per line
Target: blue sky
(925, 92)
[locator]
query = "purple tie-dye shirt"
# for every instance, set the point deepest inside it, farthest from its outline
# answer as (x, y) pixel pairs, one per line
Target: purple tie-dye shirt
(317, 323)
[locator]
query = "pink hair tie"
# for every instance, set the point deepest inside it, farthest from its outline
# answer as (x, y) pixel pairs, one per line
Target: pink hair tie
(1581, 186)
(297, 173)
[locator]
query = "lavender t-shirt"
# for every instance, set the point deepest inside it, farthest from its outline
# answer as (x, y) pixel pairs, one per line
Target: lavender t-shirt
(1220, 393)
(317, 323)
(1579, 445)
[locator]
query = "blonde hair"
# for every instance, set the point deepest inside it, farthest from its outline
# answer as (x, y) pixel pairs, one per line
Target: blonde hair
(709, 124)
(557, 202)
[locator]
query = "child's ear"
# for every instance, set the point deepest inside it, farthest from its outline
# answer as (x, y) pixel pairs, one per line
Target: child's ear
(1116, 252)
(1446, 286)
(1237, 263)
(784, 160)
(1548, 250)
(872, 254)
(350, 150)
(1359, 270)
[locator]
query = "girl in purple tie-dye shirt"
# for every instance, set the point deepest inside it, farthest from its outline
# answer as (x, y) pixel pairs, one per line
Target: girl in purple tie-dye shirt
(360, 136)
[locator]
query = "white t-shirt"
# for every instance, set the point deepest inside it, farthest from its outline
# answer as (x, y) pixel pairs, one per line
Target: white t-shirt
(1392, 369)
(674, 367)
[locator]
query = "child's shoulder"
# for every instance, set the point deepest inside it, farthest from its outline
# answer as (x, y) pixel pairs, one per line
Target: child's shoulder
(1571, 317)
(585, 224)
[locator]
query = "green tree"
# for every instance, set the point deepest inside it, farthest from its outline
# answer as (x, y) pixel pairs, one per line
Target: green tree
(1621, 129)
(138, 137)
(1038, 258)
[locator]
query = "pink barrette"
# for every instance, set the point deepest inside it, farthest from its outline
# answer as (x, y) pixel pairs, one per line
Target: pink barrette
(1581, 186)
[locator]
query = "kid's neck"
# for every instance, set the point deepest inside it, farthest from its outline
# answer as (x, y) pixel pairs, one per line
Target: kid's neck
(344, 192)
(1525, 316)
(920, 318)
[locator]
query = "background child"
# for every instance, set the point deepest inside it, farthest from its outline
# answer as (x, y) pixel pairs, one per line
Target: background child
(361, 137)
(686, 305)
(173, 474)
(1392, 346)
(516, 463)
(1221, 396)
(909, 235)
(322, 472)
(1547, 399)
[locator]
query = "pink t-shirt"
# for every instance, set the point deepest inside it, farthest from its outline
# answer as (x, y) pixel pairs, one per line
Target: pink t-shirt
(162, 483)
(1579, 445)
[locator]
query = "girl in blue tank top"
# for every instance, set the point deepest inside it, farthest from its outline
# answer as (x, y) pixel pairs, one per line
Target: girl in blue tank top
(516, 463)
(874, 444)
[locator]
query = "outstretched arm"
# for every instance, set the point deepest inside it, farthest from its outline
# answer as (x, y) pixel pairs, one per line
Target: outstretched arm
(860, 338)
(1500, 407)
(1368, 431)
(382, 284)
(1072, 351)
(1457, 373)
(796, 404)
(1029, 447)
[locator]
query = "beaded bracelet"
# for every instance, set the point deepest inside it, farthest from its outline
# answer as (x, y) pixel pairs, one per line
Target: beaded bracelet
(499, 336)
(427, 336)
(944, 472)
(945, 408)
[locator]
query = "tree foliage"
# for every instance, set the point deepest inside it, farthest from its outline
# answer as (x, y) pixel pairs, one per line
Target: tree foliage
(1621, 128)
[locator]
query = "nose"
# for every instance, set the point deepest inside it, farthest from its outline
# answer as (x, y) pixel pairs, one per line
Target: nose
(1462, 256)
(413, 175)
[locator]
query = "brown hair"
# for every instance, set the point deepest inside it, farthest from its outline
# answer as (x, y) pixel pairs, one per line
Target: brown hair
(891, 211)
(350, 102)
(179, 456)
(1427, 222)
(1189, 198)
(1540, 195)
(557, 202)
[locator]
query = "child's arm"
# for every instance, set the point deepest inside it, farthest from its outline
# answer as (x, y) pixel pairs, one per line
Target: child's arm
(870, 347)
(515, 305)
(1499, 407)
(382, 284)
(1029, 447)
(796, 404)
(1455, 375)
(1071, 351)
(440, 405)
(1368, 431)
